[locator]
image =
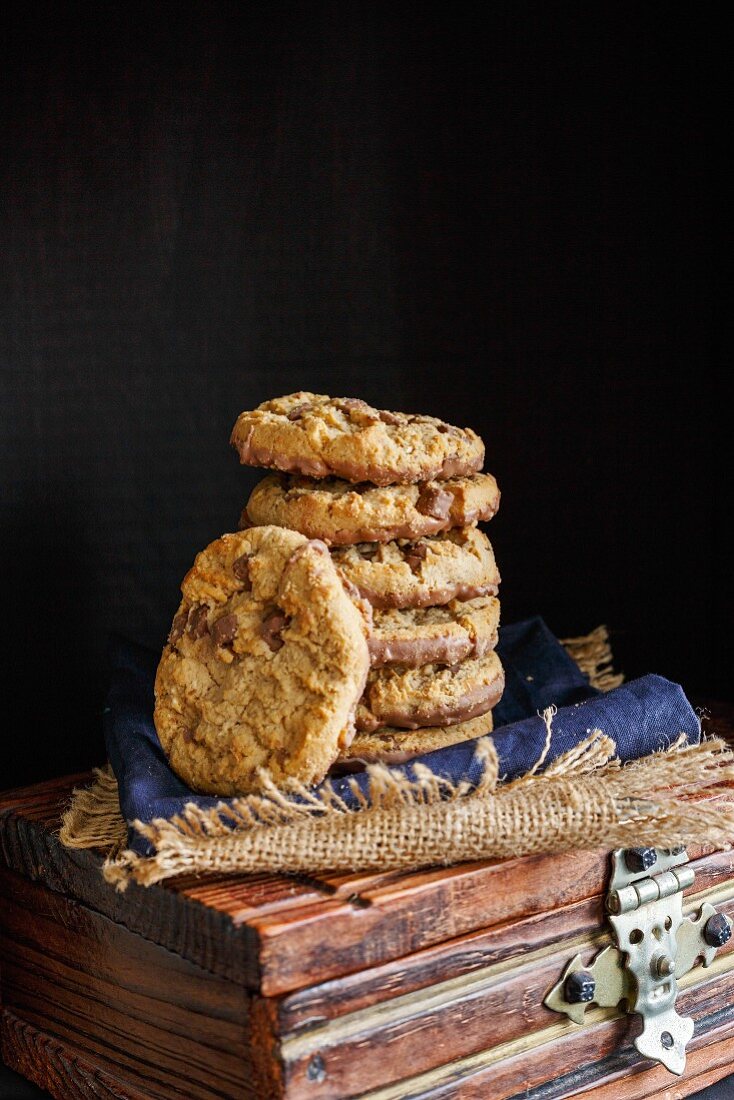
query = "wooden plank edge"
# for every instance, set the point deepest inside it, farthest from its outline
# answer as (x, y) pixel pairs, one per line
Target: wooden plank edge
(535, 1072)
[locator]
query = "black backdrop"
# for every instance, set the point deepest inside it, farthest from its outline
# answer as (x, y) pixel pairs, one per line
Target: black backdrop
(506, 224)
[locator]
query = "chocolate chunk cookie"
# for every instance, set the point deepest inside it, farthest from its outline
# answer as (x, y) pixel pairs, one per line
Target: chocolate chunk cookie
(455, 565)
(265, 663)
(432, 695)
(434, 635)
(320, 436)
(341, 513)
(396, 746)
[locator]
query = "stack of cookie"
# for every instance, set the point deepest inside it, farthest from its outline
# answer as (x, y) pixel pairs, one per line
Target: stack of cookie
(397, 498)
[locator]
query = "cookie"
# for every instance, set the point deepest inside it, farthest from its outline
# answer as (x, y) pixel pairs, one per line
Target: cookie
(441, 635)
(395, 746)
(341, 513)
(432, 695)
(320, 436)
(265, 663)
(455, 565)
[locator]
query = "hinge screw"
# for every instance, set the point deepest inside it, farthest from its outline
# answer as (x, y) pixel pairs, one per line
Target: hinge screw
(640, 859)
(664, 966)
(717, 930)
(580, 987)
(316, 1070)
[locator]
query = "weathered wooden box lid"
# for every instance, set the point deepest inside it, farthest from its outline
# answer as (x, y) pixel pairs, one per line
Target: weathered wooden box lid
(396, 985)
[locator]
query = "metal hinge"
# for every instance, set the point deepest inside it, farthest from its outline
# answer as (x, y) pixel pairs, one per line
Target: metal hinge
(654, 946)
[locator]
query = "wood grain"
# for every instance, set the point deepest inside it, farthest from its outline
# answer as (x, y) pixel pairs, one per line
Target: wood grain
(638, 1081)
(603, 1054)
(57, 1067)
(120, 1001)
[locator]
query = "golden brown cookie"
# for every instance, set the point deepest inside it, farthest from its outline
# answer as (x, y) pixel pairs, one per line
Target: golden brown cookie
(265, 663)
(396, 746)
(455, 565)
(341, 513)
(321, 436)
(432, 695)
(441, 635)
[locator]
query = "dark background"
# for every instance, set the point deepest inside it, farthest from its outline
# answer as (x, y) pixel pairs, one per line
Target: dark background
(506, 224)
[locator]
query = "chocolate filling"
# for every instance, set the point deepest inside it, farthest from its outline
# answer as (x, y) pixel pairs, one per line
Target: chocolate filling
(314, 466)
(419, 651)
(433, 597)
(471, 705)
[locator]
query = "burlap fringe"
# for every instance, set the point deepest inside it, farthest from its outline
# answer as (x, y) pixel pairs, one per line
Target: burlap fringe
(93, 818)
(584, 799)
(593, 654)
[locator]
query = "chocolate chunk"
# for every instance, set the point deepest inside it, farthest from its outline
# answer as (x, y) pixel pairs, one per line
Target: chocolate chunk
(224, 629)
(415, 554)
(299, 410)
(241, 570)
(351, 405)
(449, 429)
(177, 628)
(271, 626)
(348, 403)
(434, 502)
(389, 418)
(198, 626)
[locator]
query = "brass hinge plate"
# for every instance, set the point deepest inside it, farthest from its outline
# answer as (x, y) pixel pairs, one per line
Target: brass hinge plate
(654, 945)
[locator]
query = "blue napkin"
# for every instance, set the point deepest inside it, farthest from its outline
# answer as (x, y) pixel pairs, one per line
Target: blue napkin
(641, 716)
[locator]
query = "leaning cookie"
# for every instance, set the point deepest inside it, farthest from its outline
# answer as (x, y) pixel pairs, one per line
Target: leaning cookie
(265, 663)
(441, 635)
(395, 746)
(455, 565)
(431, 695)
(340, 513)
(321, 436)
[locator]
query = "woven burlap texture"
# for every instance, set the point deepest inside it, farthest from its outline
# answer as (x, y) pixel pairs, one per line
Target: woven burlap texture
(584, 799)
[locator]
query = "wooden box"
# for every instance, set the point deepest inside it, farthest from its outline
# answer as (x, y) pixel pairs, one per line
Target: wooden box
(376, 986)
